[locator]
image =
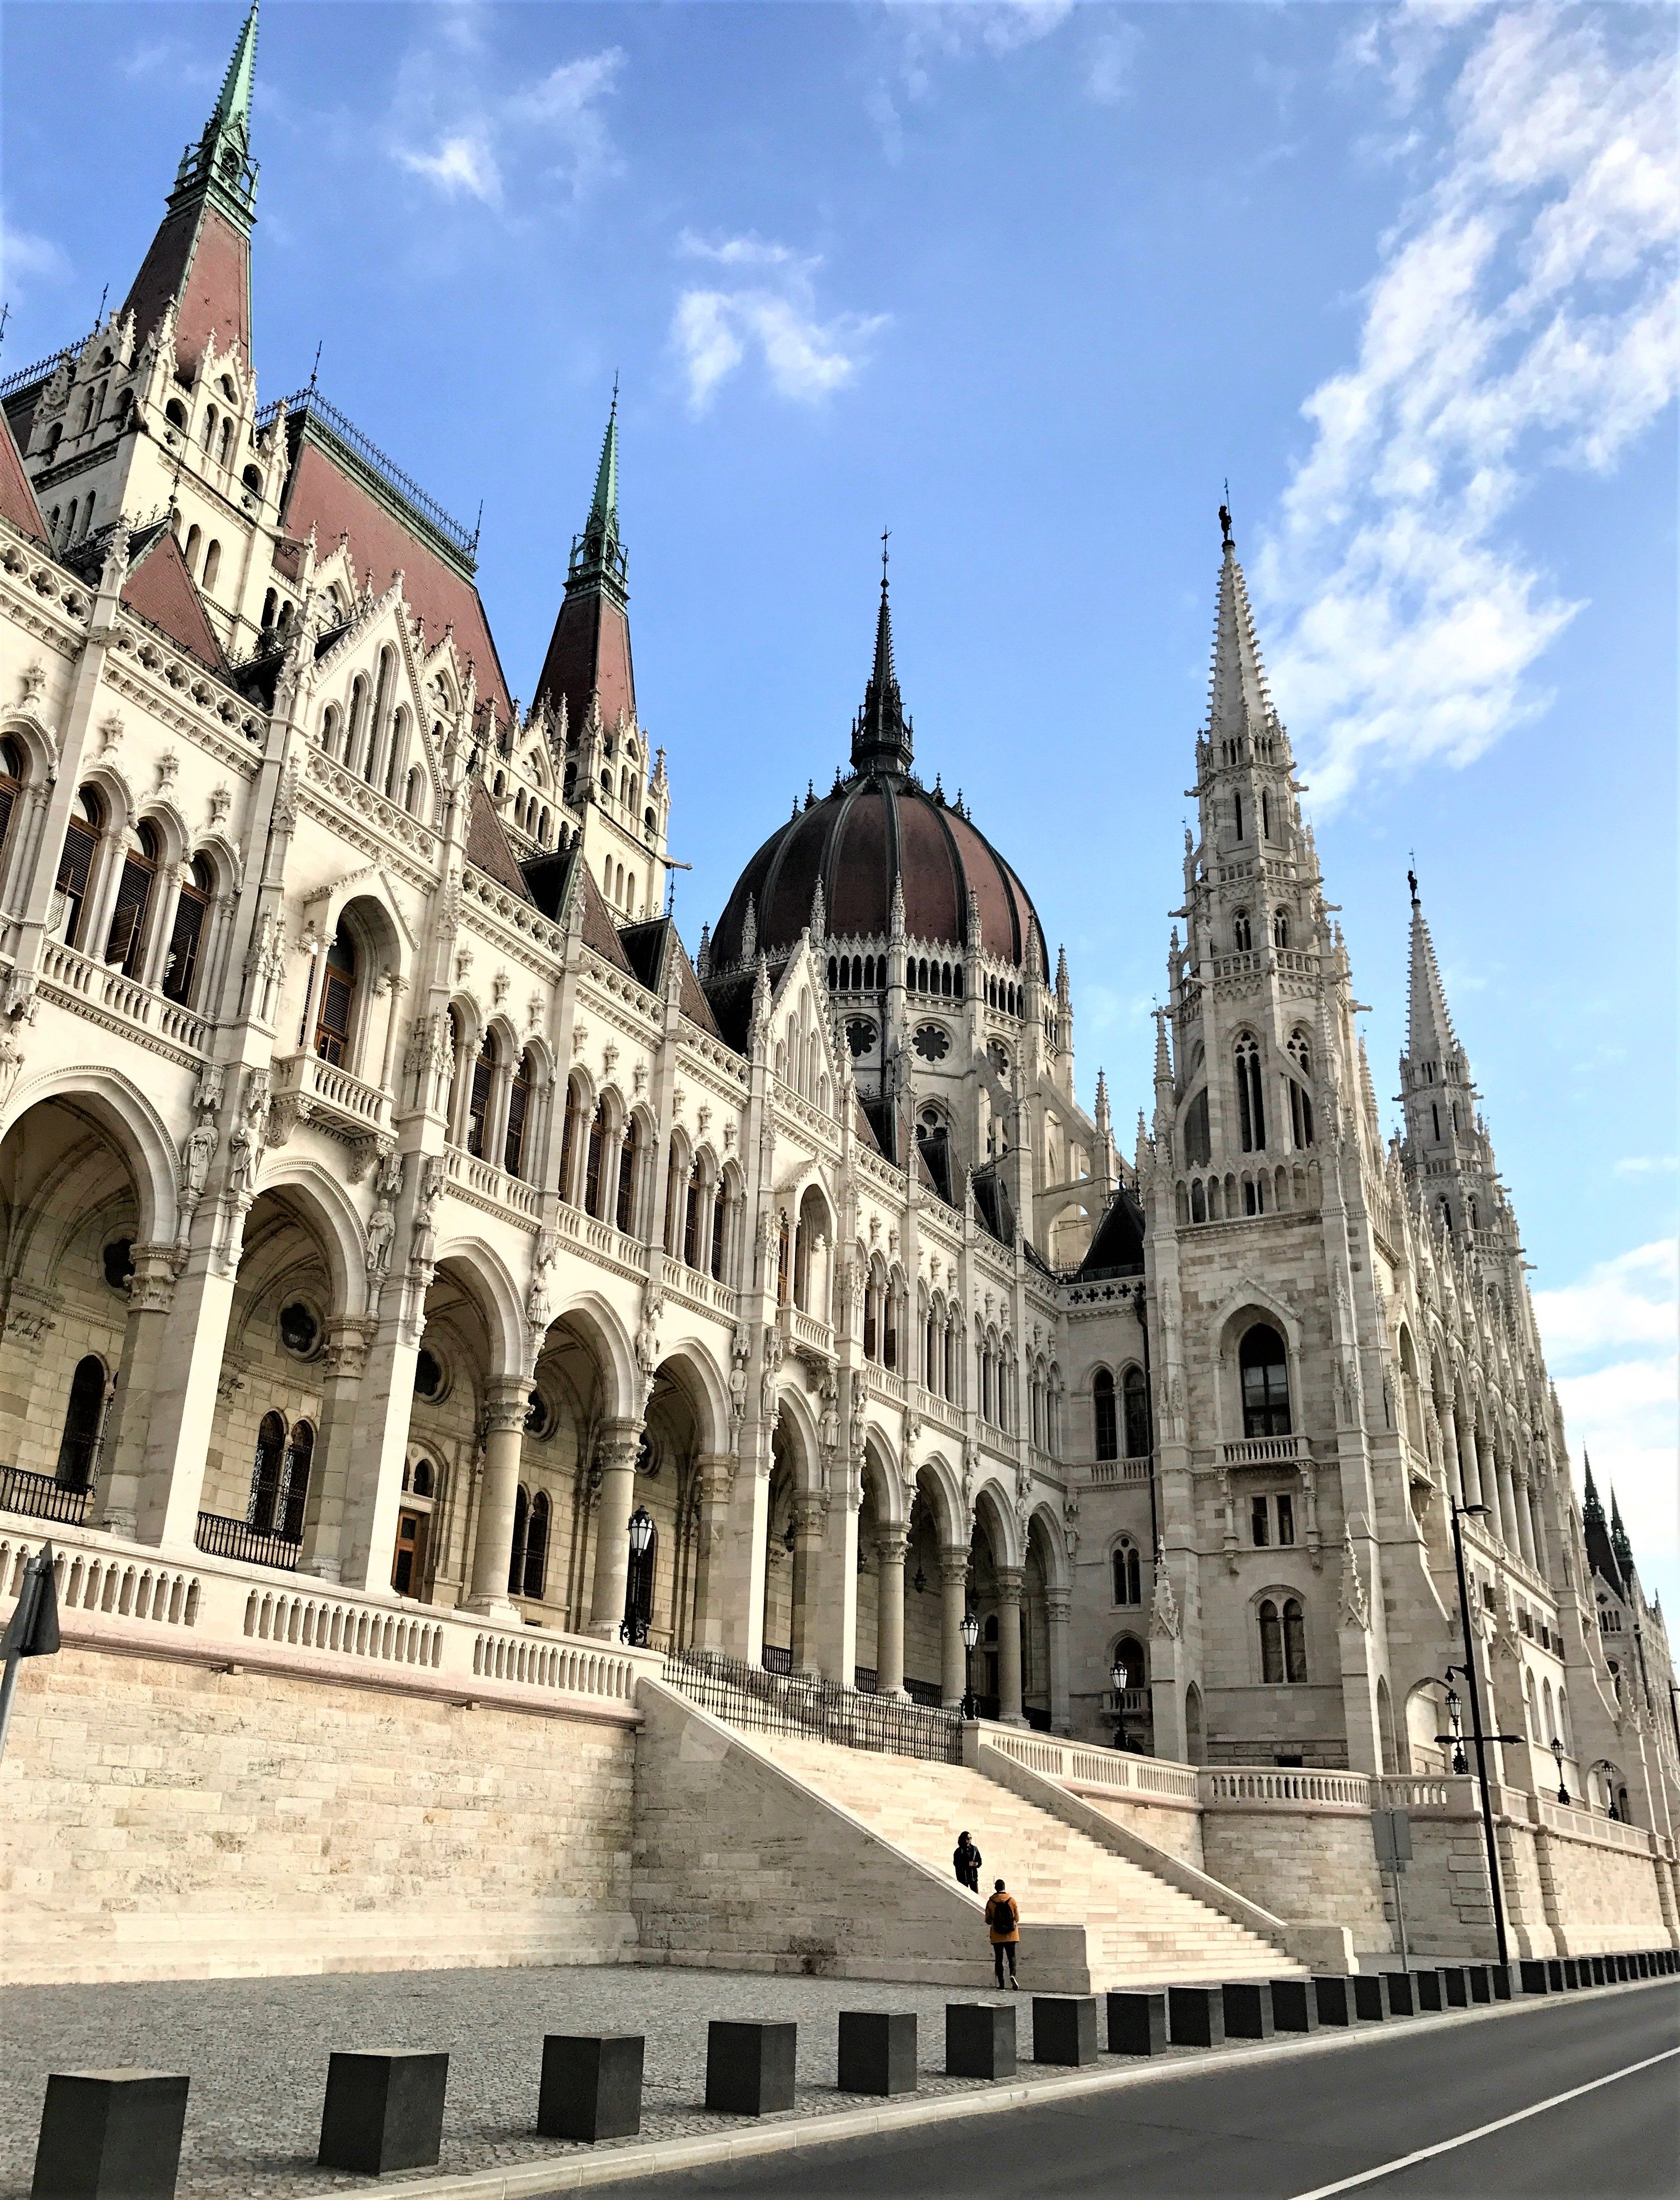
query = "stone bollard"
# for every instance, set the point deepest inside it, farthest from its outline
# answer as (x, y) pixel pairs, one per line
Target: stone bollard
(979, 2039)
(750, 2068)
(1481, 1984)
(1196, 2016)
(877, 2050)
(1532, 1973)
(383, 2111)
(1248, 2010)
(1456, 1986)
(1294, 2005)
(1369, 2001)
(1065, 2028)
(592, 2086)
(1401, 1987)
(1426, 1992)
(110, 2132)
(1334, 1994)
(1137, 2024)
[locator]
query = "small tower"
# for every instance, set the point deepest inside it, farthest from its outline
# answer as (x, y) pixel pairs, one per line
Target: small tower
(1447, 1150)
(881, 734)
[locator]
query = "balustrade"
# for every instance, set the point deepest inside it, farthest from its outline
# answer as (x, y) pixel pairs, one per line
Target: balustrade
(71, 978)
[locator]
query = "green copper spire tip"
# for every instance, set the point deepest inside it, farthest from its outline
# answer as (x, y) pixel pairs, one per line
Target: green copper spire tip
(604, 505)
(235, 102)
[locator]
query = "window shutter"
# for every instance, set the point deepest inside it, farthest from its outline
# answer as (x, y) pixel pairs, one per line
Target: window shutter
(184, 934)
(128, 919)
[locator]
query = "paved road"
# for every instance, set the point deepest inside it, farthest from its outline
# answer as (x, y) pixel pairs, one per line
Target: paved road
(1271, 2130)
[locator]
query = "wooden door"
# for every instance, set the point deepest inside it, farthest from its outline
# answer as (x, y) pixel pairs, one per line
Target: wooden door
(410, 1554)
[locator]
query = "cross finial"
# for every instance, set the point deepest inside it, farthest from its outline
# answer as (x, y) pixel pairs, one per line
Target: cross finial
(1225, 514)
(1411, 874)
(316, 369)
(614, 402)
(885, 534)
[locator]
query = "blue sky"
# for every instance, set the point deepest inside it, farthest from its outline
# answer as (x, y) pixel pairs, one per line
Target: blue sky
(1026, 282)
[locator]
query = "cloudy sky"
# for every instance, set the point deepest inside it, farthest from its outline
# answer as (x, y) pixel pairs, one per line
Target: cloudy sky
(1027, 284)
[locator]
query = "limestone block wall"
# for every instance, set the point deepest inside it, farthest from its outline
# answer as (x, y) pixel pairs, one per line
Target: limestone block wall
(1602, 1898)
(1179, 1832)
(1309, 1867)
(739, 1867)
(168, 1820)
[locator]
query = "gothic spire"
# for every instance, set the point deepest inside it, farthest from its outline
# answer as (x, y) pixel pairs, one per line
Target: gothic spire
(1618, 1538)
(604, 504)
(1239, 701)
(881, 734)
(1430, 1037)
(589, 650)
(233, 107)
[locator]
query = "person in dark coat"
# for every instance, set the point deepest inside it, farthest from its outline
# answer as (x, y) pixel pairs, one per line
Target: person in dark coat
(967, 1861)
(1003, 1923)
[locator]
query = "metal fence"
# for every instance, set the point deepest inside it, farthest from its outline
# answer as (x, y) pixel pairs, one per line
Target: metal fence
(223, 1537)
(42, 1497)
(801, 1703)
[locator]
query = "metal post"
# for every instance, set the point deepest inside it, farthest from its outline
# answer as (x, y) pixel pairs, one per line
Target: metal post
(1400, 1917)
(1476, 1735)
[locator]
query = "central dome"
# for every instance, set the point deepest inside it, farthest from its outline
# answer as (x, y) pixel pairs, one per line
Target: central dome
(879, 832)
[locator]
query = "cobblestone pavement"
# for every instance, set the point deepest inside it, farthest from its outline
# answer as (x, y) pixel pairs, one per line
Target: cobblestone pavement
(257, 2050)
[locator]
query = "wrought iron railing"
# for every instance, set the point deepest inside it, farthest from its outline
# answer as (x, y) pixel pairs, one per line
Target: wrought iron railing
(345, 431)
(224, 1537)
(43, 1497)
(748, 1696)
(777, 1659)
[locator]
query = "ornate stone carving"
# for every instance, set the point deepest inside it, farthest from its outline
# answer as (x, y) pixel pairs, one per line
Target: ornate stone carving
(1164, 1619)
(1355, 1611)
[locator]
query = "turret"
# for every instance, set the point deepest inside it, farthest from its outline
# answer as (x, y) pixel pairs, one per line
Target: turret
(1448, 1153)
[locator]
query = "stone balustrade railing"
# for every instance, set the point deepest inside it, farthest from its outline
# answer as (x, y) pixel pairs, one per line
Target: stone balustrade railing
(1079, 1764)
(204, 1610)
(79, 982)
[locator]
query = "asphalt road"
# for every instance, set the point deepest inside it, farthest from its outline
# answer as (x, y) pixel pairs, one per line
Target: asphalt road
(1306, 2122)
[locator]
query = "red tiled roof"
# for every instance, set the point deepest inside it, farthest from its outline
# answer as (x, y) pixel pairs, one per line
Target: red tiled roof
(161, 588)
(589, 649)
(320, 494)
(487, 850)
(202, 261)
(17, 498)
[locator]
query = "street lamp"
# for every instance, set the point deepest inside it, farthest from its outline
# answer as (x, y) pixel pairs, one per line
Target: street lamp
(1119, 1679)
(1456, 1725)
(634, 1627)
(1557, 1752)
(1479, 1740)
(971, 1635)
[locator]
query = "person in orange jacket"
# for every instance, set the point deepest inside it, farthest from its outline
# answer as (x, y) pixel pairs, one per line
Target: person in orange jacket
(1003, 1921)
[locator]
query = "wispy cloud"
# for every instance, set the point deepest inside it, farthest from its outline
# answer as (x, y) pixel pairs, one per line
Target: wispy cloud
(27, 260)
(465, 140)
(1648, 1164)
(1111, 64)
(1611, 1342)
(923, 34)
(774, 315)
(1523, 317)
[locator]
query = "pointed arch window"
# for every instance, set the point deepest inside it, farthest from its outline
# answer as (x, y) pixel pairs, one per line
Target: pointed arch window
(1300, 1094)
(294, 1491)
(1242, 931)
(126, 939)
(1135, 1398)
(534, 1571)
(267, 1474)
(338, 995)
(186, 933)
(1127, 1578)
(692, 1219)
(1271, 1641)
(1250, 1099)
(592, 1168)
(11, 786)
(720, 1219)
(519, 1104)
(1294, 1642)
(569, 1132)
(478, 1100)
(75, 867)
(629, 1155)
(1107, 1427)
(1264, 1369)
(84, 1416)
(1280, 928)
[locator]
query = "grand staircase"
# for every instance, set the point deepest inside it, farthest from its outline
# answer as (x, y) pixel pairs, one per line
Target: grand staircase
(1139, 1929)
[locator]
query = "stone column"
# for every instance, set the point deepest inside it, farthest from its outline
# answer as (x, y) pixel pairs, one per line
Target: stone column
(1508, 1528)
(619, 1442)
(1470, 1468)
(507, 1401)
(364, 1533)
(827, 1614)
(715, 1473)
(809, 1519)
(344, 1359)
(1057, 1610)
(1449, 1452)
(1009, 1583)
(889, 1614)
(954, 1575)
(158, 1430)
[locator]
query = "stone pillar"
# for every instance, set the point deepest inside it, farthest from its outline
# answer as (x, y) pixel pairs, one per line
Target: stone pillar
(1057, 1610)
(1470, 1467)
(809, 1519)
(715, 1473)
(166, 1397)
(619, 1442)
(1510, 1527)
(954, 1575)
(889, 1614)
(1449, 1453)
(344, 1360)
(827, 1616)
(1009, 1581)
(507, 1401)
(367, 1529)
(1523, 1515)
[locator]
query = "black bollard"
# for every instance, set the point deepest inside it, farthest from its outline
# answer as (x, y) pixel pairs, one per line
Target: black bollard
(750, 2068)
(383, 2111)
(877, 2050)
(1196, 2016)
(592, 2086)
(110, 2132)
(1065, 2028)
(1137, 2024)
(1248, 2010)
(1294, 2005)
(979, 2039)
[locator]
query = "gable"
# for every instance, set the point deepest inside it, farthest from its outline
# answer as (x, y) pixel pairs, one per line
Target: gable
(160, 589)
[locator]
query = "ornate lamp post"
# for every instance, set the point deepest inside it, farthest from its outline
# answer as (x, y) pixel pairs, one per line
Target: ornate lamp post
(634, 1629)
(1557, 1752)
(1119, 1679)
(971, 1635)
(1479, 1740)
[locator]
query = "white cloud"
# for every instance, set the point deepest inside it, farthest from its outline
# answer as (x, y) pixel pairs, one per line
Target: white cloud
(1110, 66)
(1647, 1164)
(1522, 317)
(1611, 1342)
(806, 357)
(925, 33)
(466, 140)
(27, 259)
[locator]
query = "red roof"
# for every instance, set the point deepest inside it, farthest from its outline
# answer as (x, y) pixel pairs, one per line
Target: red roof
(589, 649)
(17, 498)
(321, 494)
(161, 588)
(487, 850)
(201, 260)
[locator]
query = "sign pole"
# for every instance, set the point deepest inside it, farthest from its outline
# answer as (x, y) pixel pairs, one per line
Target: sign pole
(32, 1631)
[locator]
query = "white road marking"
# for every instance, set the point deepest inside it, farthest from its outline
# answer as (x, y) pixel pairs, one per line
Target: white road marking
(1446, 2146)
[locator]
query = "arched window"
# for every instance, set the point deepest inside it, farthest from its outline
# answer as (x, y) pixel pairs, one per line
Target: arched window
(11, 786)
(212, 565)
(1242, 931)
(210, 418)
(75, 864)
(1271, 1641)
(84, 1417)
(1300, 1097)
(267, 1474)
(519, 1102)
(225, 451)
(692, 1219)
(1251, 1105)
(415, 800)
(332, 719)
(1279, 928)
(478, 1099)
(186, 933)
(639, 1588)
(1294, 1642)
(569, 1137)
(358, 730)
(1128, 1584)
(194, 536)
(424, 1478)
(289, 1507)
(591, 1166)
(1102, 1401)
(127, 935)
(338, 996)
(522, 1521)
(1128, 1657)
(1265, 1381)
(720, 1219)
(1134, 1395)
(536, 1545)
(629, 1159)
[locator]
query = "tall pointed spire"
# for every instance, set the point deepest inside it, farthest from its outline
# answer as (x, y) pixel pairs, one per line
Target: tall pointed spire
(1239, 701)
(589, 650)
(200, 261)
(1618, 1538)
(1430, 1037)
(881, 734)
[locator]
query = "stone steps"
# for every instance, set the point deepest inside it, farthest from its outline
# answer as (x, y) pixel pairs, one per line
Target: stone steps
(1138, 1928)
